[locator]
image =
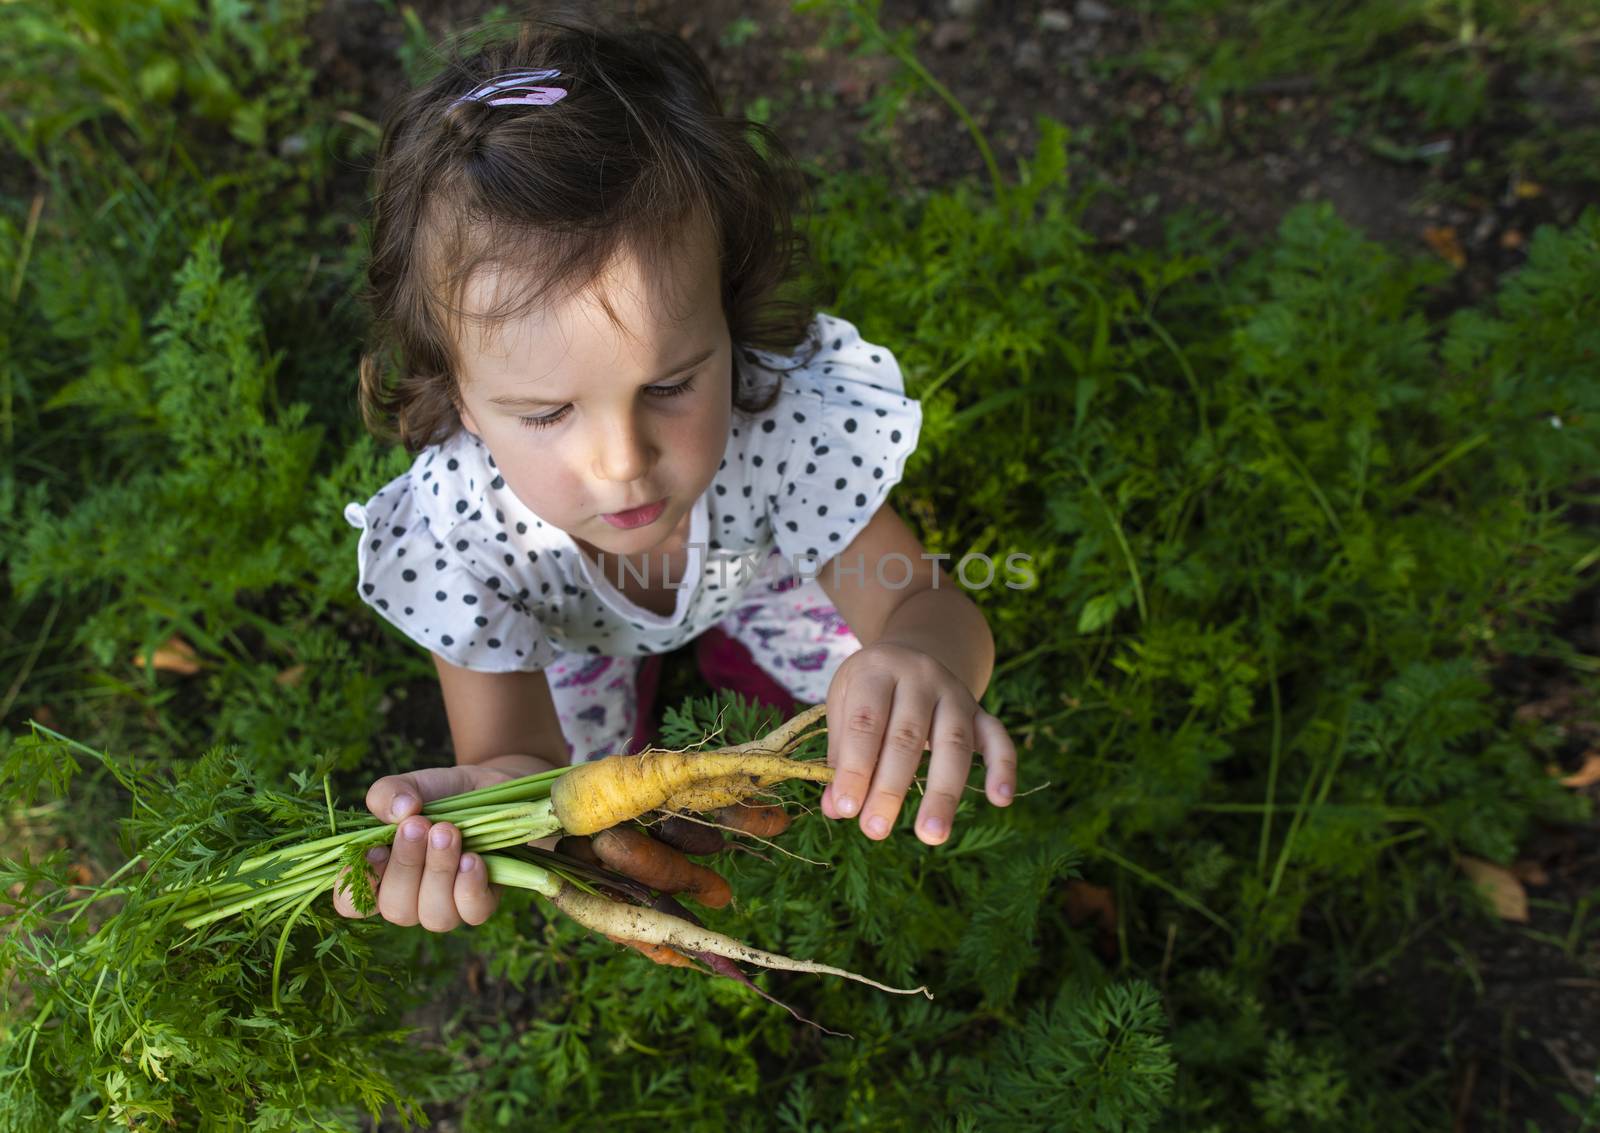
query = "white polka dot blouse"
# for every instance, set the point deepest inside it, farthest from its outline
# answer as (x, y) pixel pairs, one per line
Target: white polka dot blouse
(458, 563)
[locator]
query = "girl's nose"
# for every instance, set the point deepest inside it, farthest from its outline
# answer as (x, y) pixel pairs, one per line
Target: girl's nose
(623, 452)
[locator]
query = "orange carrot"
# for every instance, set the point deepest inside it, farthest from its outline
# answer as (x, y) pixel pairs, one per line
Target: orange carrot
(659, 953)
(689, 836)
(760, 821)
(579, 848)
(659, 866)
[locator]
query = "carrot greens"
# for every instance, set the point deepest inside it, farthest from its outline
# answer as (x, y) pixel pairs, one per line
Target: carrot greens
(186, 962)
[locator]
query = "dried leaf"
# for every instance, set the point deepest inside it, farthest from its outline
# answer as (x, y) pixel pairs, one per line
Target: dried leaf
(1586, 775)
(1530, 872)
(176, 656)
(290, 676)
(1500, 886)
(1547, 708)
(1446, 243)
(1086, 902)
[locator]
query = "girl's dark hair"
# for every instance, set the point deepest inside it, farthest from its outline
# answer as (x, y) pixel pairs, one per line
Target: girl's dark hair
(637, 154)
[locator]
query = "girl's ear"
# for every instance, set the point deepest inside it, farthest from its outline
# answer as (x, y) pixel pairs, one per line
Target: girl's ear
(468, 421)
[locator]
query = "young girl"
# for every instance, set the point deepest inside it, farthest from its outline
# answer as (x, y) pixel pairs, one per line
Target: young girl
(625, 439)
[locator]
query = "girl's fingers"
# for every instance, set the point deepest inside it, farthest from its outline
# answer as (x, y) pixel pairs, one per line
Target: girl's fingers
(952, 743)
(999, 759)
(377, 863)
(436, 899)
(475, 898)
(904, 741)
(397, 899)
(864, 707)
(424, 882)
(395, 798)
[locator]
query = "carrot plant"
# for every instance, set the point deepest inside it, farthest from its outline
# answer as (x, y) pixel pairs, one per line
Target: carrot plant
(188, 893)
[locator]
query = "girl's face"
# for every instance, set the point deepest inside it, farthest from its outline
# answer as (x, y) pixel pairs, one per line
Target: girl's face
(586, 420)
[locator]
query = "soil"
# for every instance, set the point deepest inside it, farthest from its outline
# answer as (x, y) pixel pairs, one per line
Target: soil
(1517, 1007)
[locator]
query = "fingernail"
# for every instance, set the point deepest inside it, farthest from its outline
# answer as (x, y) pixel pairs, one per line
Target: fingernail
(466, 863)
(377, 855)
(934, 827)
(402, 806)
(413, 831)
(440, 837)
(877, 826)
(846, 805)
(1004, 790)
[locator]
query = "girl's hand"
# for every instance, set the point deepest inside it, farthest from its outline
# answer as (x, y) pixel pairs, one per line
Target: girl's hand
(426, 879)
(891, 703)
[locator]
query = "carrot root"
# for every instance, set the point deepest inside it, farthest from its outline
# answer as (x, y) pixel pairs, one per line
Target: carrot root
(657, 953)
(688, 836)
(711, 794)
(653, 863)
(580, 848)
(631, 922)
(758, 821)
(594, 796)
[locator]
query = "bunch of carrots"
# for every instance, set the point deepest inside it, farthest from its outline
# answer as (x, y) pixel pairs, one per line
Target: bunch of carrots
(592, 805)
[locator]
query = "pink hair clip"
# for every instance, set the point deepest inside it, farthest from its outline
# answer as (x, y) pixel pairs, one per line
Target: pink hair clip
(516, 89)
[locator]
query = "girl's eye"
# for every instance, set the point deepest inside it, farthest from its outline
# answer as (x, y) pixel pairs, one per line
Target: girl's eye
(543, 422)
(546, 421)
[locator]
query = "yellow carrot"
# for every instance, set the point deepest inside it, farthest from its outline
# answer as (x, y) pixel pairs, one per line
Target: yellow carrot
(594, 796)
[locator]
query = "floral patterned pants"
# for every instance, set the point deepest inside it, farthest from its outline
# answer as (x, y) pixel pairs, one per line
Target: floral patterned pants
(789, 626)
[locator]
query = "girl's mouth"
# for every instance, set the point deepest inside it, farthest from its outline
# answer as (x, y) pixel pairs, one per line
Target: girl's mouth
(638, 517)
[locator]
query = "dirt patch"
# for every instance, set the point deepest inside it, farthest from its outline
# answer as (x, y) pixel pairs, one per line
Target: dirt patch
(1516, 1006)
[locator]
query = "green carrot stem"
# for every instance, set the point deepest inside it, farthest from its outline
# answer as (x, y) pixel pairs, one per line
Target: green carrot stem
(521, 874)
(529, 788)
(374, 831)
(320, 870)
(486, 828)
(283, 943)
(266, 894)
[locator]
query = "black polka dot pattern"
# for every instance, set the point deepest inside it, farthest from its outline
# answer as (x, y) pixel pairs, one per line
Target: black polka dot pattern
(454, 558)
(853, 430)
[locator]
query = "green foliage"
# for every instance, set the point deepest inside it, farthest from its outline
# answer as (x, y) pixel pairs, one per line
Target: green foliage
(1093, 1059)
(218, 476)
(126, 1020)
(115, 384)
(218, 502)
(1281, 523)
(235, 65)
(1284, 522)
(1437, 61)
(1299, 1090)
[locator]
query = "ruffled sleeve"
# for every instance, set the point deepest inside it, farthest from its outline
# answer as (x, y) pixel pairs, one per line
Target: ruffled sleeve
(471, 618)
(839, 438)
